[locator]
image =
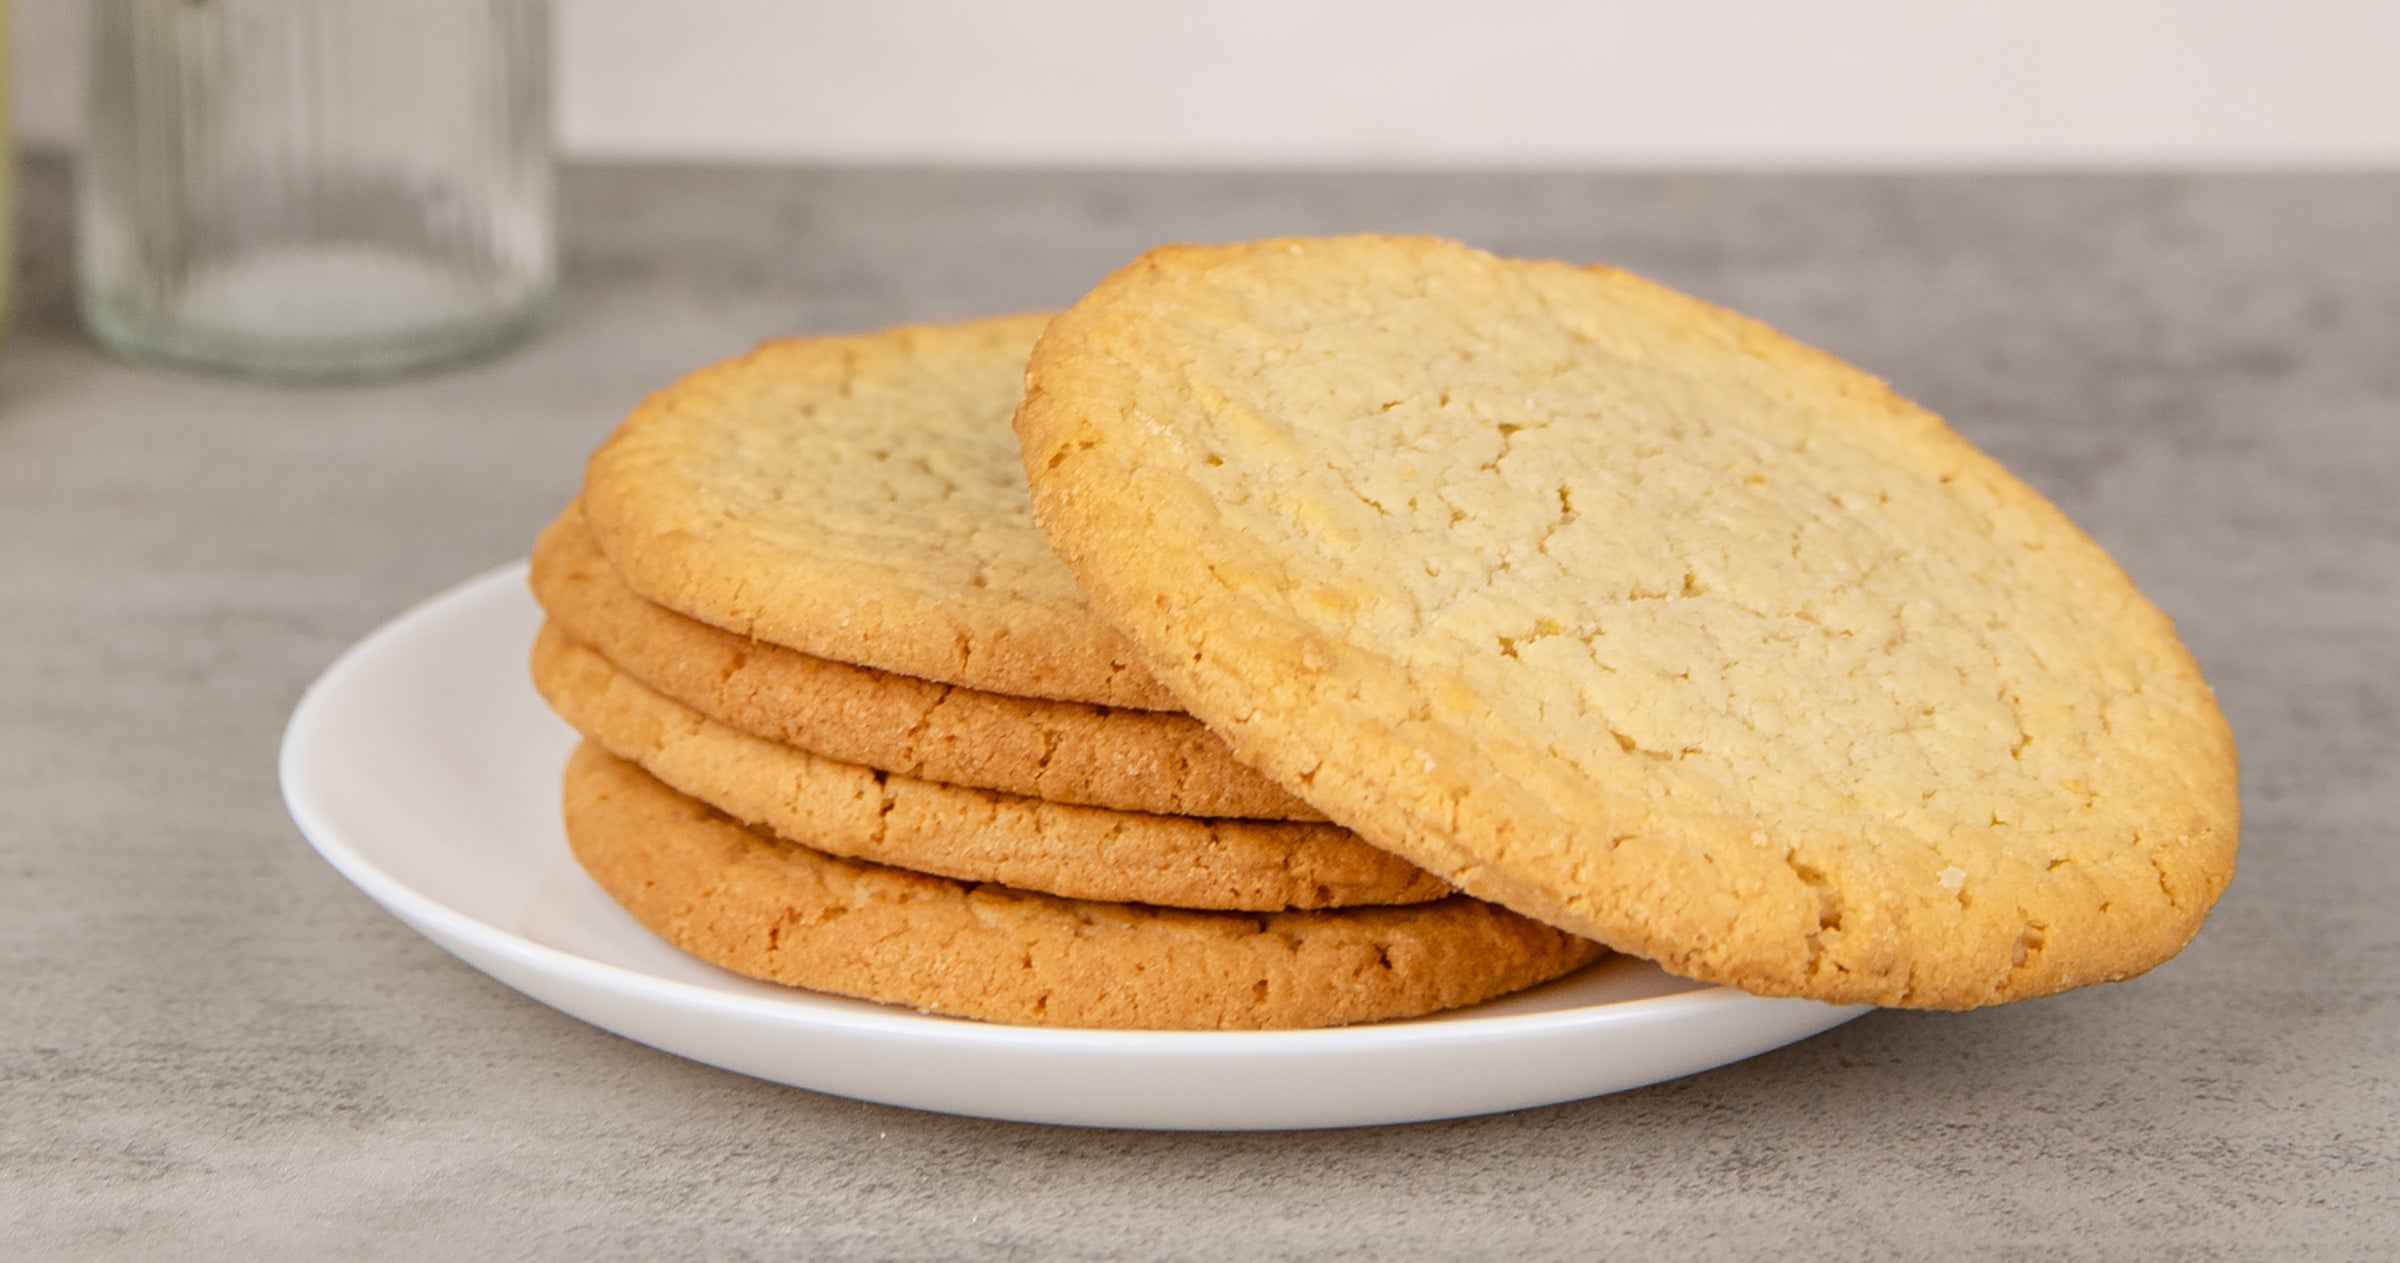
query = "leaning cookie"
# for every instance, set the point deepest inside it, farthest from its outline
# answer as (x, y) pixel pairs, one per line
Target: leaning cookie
(769, 909)
(1130, 760)
(971, 834)
(1634, 615)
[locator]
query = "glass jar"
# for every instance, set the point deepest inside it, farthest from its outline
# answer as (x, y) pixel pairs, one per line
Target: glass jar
(315, 188)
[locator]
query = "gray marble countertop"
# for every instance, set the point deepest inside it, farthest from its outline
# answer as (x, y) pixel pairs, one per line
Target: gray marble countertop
(211, 1046)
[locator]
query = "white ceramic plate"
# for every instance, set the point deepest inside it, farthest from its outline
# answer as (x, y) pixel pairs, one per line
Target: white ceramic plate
(424, 767)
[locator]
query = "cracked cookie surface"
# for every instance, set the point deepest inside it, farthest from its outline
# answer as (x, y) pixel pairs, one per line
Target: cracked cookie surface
(859, 499)
(1636, 616)
(767, 908)
(1131, 760)
(971, 834)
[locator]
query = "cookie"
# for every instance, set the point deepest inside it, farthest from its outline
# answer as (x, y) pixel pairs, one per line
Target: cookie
(1636, 616)
(971, 834)
(767, 908)
(860, 499)
(1131, 760)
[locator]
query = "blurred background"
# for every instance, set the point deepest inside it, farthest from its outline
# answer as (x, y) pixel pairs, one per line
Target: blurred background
(1540, 83)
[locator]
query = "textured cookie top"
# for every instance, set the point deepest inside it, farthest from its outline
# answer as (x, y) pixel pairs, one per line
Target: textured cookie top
(860, 499)
(1636, 616)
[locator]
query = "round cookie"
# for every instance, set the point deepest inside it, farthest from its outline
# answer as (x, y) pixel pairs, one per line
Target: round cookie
(1131, 760)
(970, 834)
(860, 499)
(1636, 616)
(769, 909)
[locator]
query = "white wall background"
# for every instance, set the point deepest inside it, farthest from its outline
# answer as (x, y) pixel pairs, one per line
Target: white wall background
(1907, 83)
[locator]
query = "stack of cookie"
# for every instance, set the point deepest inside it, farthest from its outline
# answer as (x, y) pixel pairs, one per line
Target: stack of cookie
(849, 725)
(1561, 590)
